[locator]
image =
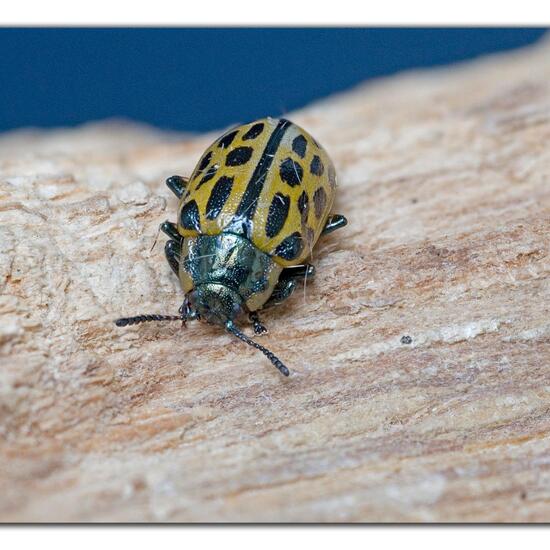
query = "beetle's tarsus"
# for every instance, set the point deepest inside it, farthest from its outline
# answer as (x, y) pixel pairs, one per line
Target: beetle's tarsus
(259, 327)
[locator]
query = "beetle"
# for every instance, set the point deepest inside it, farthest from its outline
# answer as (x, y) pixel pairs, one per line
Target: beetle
(248, 218)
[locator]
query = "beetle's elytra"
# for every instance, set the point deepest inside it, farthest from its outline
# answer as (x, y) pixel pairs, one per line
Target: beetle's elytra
(248, 218)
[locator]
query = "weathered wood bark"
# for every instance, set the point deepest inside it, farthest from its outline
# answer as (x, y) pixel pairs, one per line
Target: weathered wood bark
(445, 178)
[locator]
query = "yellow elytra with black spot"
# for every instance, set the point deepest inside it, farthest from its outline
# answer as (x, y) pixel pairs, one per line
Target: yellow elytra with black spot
(248, 217)
(269, 181)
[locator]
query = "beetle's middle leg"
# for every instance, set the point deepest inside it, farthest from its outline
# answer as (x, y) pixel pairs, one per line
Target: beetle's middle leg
(171, 229)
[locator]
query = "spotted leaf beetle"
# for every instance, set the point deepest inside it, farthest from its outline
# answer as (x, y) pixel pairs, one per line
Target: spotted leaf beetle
(248, 218)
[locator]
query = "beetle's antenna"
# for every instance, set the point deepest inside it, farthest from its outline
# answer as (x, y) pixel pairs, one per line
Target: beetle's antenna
(145, 318)
(271, 356)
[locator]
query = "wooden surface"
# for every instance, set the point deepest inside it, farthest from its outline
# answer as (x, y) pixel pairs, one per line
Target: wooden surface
(445, 179)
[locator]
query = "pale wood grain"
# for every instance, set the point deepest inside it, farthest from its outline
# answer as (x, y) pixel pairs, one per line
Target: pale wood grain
(445, 178)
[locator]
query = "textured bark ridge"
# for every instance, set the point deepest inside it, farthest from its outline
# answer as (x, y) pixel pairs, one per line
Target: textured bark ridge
(420, 384)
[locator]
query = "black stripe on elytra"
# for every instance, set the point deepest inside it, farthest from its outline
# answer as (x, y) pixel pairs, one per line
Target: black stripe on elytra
(247, 206)
(218, 197)
(277, 215)
(210, 173)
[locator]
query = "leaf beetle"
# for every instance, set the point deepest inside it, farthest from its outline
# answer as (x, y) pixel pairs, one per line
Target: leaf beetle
(248, 218)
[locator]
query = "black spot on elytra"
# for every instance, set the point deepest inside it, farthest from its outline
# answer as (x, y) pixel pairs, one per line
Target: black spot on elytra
(320, 201)
(239, 156)
(303, 205)
(205, 161)
(299, 145)
(189, 216)
(210, 173)
(316, 167)
(277, 215)
(254, 131)
(290, 247)
(291, 172)
(218, 197)
(227, 140)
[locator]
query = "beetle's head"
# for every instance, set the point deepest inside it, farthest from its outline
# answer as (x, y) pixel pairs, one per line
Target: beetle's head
(214, 303)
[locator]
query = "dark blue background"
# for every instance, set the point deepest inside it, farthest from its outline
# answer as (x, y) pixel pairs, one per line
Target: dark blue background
(200, 79)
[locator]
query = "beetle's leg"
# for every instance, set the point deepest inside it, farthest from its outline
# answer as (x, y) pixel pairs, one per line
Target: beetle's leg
(171, 229)
(186, 312)
(172, 252)
(283, 289)
(259, 327)
(297, 272)
(334, 222)
(177, 185)
(185, 308)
